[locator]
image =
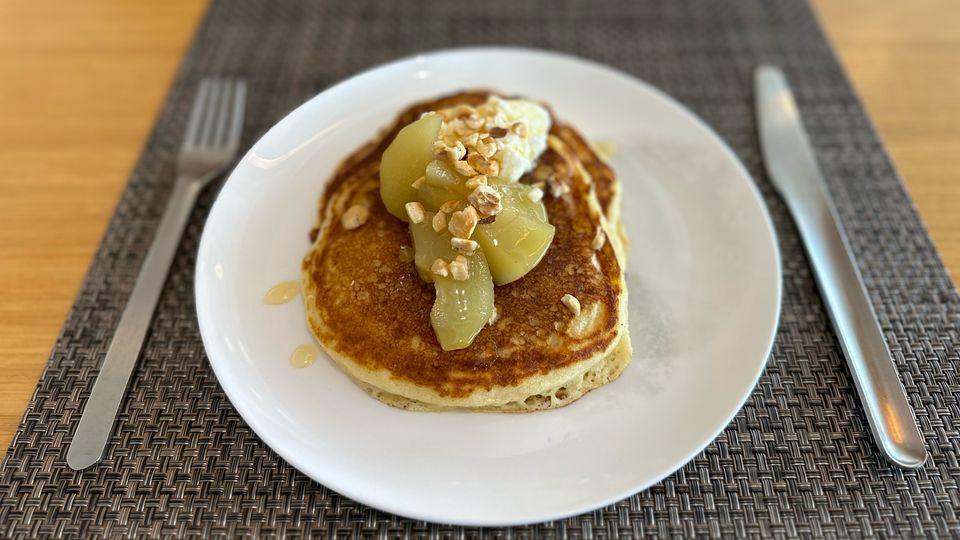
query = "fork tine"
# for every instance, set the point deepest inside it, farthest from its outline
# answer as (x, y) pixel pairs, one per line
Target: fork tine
(193, 124)
(223, 105)
(210, 112)
(236, 120)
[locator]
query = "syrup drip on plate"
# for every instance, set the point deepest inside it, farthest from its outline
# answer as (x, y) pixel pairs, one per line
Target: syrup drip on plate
(281, 293)
(303, 356)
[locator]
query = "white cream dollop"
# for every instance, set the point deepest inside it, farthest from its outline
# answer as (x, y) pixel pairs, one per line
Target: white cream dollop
(519, 149)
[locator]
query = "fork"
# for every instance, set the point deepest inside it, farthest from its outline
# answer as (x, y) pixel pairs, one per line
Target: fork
(210, 145)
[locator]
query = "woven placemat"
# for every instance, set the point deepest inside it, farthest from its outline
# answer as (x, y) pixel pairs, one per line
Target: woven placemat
(797, 460)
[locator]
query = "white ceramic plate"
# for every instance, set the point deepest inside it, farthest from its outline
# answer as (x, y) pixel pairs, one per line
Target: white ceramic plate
(703, 276)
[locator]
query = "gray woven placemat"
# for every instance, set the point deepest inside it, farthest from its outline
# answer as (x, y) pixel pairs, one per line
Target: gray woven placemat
(798, 460)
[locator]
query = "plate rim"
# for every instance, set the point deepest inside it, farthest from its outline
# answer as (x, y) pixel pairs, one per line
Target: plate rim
(207, 326)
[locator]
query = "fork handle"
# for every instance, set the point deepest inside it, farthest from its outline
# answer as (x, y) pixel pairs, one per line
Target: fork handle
(100, 412)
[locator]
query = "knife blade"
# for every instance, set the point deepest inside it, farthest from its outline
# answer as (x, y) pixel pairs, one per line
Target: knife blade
(793, 170)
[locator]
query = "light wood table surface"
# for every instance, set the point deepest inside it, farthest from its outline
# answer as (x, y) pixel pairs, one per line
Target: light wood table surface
(81, 83)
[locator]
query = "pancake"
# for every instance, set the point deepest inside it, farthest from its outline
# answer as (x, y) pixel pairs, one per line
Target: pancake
(370, 311)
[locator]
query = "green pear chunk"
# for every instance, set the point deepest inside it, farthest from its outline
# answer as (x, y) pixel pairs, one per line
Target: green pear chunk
(405, 161)
(519, 236)
(461, 308)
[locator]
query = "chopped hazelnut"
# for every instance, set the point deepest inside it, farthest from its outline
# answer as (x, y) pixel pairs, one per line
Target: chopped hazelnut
(483, 165)
(460, 127)
(419, 182)
(471, 140)
(465, 168)
(494, 316)
(498, 132)
(460, 268)
(439, 221)
(558, 188)
(535, 194)
(462, 110)
(414, 211)
(455, 152)
(487, 150)
(572, 304)
(599, 238)
(473, 183)
(450, 206)
(439, 150)
(486, 200)
(354, 217)
(474, 122)
(463, 246)
(440, 268)
(519, 128)
(463, 223)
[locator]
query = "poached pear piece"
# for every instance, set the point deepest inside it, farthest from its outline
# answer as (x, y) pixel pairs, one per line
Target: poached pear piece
(518, 238)
(452, 174)
(404, 161)
(464, 287)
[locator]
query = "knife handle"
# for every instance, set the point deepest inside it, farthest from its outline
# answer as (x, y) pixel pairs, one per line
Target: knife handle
(874, 373)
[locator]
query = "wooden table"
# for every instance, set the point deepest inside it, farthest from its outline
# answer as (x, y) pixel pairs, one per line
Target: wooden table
(81, 82)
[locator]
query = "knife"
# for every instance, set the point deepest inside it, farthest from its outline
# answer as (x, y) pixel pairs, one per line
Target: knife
(793, 169)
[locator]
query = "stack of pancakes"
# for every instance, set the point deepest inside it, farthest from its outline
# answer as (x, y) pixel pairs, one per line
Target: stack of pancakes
(370, 311)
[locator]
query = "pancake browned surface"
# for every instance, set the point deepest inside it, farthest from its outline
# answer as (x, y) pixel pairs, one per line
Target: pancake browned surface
(370, 310)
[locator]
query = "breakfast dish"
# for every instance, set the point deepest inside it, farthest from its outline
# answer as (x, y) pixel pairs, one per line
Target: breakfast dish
(702, 271)
(471, 258)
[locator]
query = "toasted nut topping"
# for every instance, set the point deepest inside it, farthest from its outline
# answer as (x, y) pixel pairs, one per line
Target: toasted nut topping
(450, 206)
(439, 221)
(419, 182)
(463, 223)
(460, 268)
(486, 200)
(599, 238)
(354, 217)
(542, 172)
(462, 110)
(440, 268)
(465, 168)
(455, 152)
(494, 316)
(415, 211)
(460, 127)
(498, 132)
(519, 128)
(558, 188)
(487, 150)
(479, 180)
(474, 122)
(471, 140)
(463, 246)
(535, 194)
(572, 304)
(406, 253)
(482, 165)
(439, 150)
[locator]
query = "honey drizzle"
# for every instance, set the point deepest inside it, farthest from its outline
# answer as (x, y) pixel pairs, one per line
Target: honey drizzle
(281, 293)
(303, 356)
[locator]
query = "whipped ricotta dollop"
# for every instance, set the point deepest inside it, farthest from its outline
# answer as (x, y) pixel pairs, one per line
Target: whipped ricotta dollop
(512, 132)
